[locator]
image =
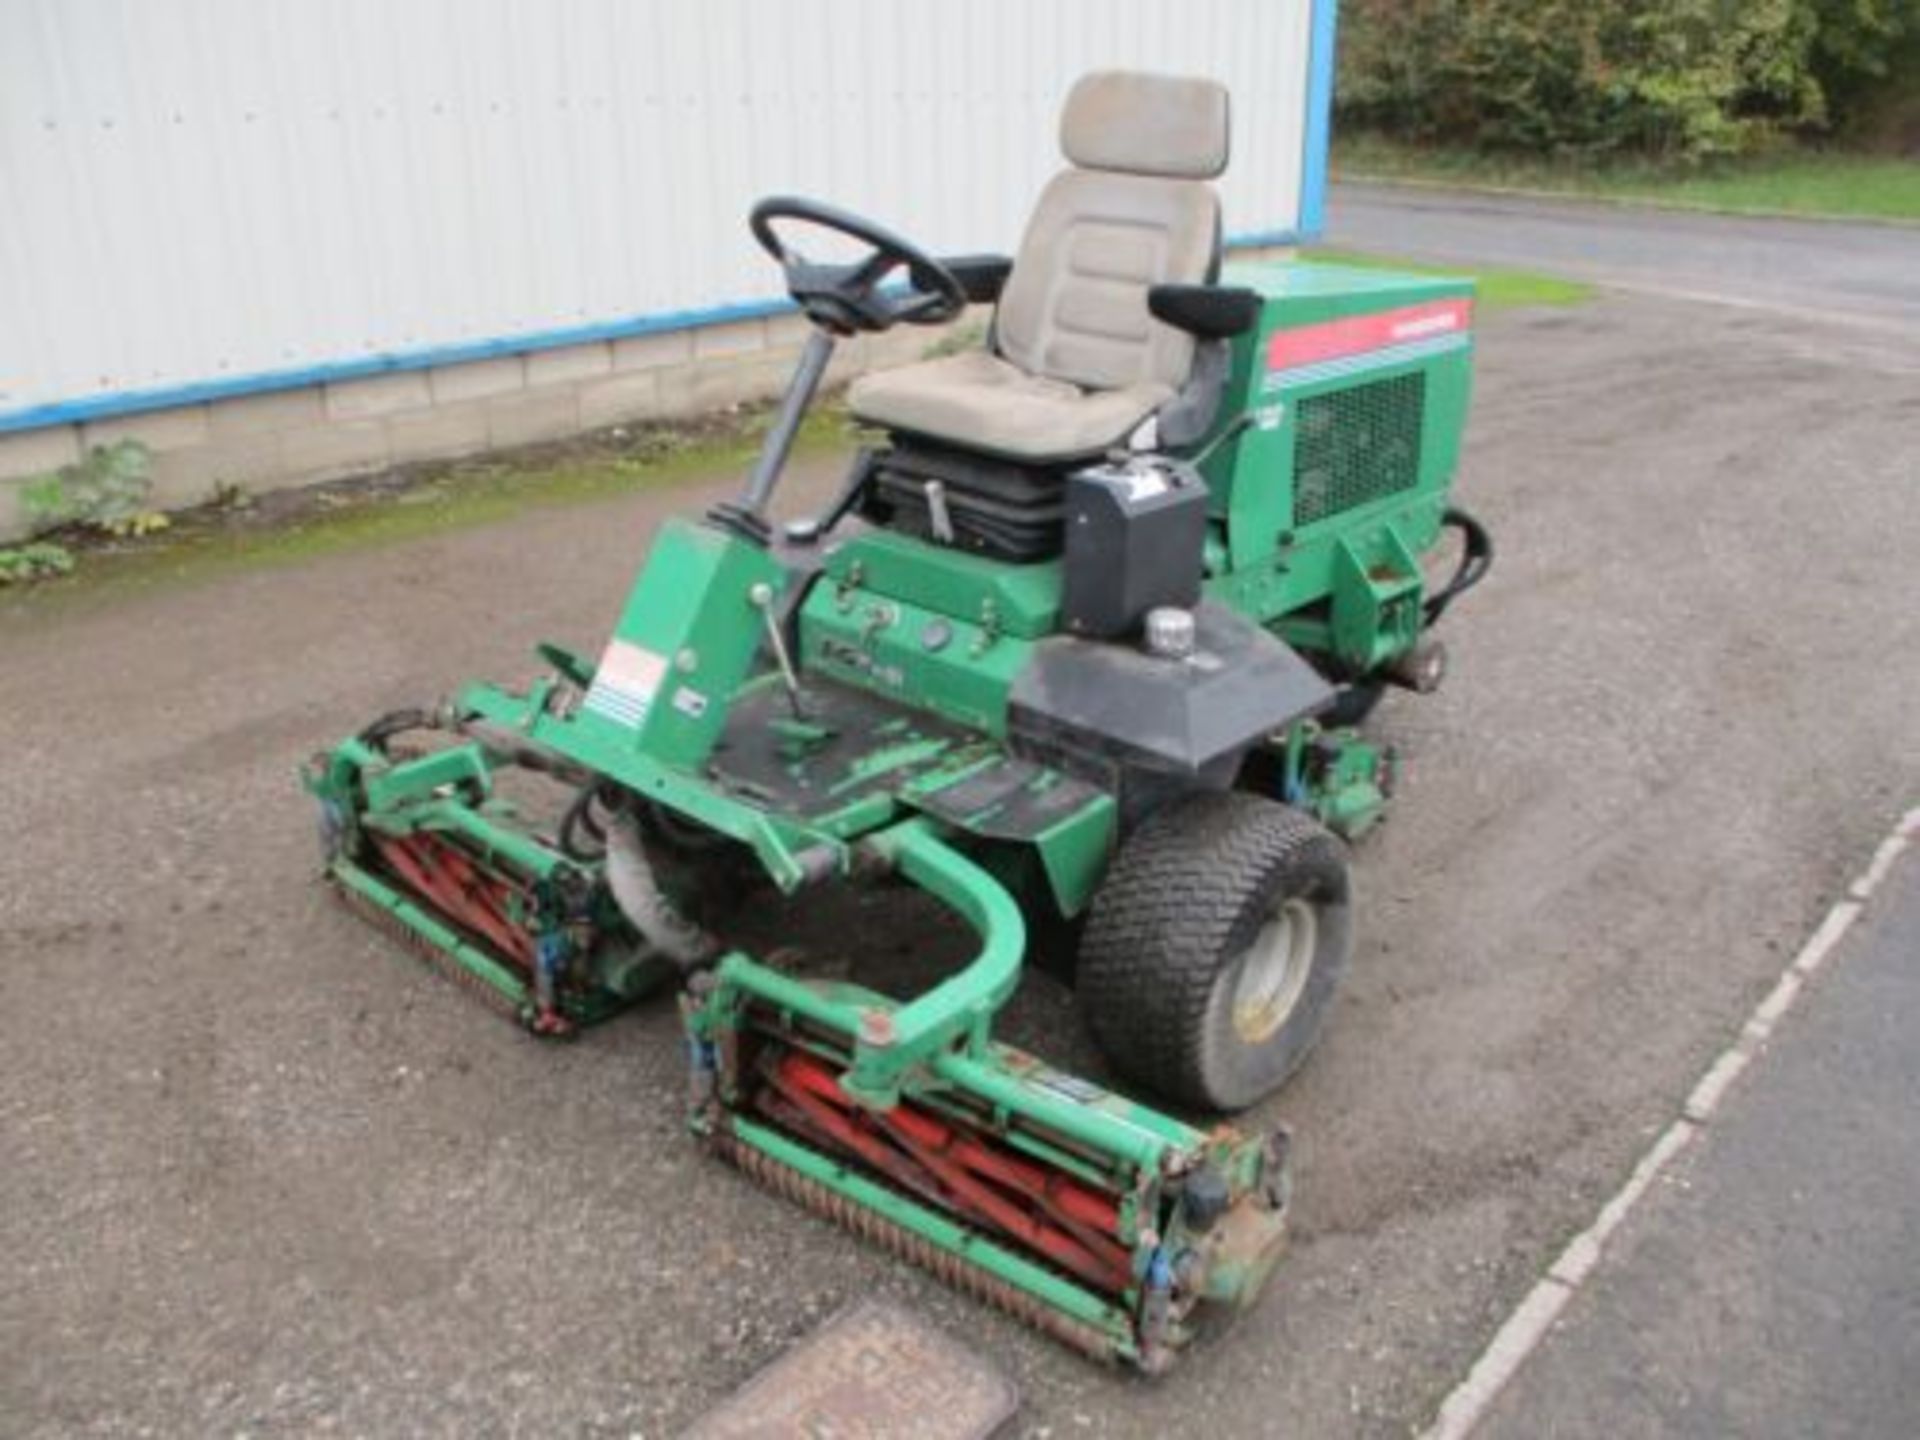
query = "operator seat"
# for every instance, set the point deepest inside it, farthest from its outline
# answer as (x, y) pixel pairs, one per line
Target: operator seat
(1076, 361)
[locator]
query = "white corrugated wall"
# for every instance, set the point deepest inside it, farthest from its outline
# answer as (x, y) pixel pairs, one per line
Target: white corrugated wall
(201, 196)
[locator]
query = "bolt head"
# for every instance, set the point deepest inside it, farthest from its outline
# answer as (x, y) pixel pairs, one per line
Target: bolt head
(877, 1029)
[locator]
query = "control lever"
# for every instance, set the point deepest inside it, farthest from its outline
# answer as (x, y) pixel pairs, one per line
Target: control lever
(939, 518)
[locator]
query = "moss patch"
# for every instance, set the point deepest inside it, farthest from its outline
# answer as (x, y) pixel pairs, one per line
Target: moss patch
(412, 502)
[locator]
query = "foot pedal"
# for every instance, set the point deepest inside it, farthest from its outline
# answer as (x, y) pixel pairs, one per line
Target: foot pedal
(873, 1369)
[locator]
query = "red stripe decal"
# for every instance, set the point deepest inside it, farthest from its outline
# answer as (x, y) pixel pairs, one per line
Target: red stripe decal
(1336, 339)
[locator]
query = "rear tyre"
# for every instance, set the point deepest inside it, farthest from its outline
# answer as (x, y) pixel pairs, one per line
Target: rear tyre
(1213, 948)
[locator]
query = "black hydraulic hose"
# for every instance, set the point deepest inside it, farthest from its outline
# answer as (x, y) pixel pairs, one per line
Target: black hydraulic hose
(510, 744)
(1476, 559)
(395, 722)
(580, 820)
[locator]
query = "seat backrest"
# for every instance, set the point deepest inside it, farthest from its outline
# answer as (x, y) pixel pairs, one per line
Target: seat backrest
(1135, 210)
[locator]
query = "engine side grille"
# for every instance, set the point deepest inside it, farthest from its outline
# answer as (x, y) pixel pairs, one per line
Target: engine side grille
(1357, 445)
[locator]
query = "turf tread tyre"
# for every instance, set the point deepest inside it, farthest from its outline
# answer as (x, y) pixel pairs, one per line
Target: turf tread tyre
(1185, 896)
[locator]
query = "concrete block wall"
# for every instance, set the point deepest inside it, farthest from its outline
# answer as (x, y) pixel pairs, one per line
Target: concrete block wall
(279, 439)
(285, 438)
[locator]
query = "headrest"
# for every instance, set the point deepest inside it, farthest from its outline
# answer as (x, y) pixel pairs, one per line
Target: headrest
(1146, 124)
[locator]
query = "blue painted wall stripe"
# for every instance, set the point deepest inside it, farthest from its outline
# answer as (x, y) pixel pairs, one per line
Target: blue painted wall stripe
(1324, 28)
(128, 402)
(133, 402)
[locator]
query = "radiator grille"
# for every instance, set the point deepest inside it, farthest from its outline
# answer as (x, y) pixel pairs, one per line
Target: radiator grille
(1356, 445)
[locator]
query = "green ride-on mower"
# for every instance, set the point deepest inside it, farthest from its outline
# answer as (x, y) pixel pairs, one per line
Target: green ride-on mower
(1079, 649)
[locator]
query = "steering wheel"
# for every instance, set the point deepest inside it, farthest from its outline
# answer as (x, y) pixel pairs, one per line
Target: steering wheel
(849, 298)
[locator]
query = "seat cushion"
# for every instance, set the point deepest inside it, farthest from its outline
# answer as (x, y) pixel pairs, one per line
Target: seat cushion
(1075, 307)
(981, 402)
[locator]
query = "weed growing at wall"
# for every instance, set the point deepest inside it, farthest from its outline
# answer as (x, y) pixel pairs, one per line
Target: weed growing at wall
(106, 492)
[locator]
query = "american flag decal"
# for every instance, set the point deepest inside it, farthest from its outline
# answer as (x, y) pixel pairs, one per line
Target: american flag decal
(624, 685)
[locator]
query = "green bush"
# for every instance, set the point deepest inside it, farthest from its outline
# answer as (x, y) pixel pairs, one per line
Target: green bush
(107, 491)
(1672, 79)
(36, 560)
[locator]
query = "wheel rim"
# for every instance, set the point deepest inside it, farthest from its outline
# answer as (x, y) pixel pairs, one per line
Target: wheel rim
(1271, 973)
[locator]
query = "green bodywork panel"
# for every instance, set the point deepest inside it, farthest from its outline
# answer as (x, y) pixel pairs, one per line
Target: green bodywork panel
(683, 643)
(1322, 504)
(935, 627)
(960, 669)
(949, 632)
(1018, 600)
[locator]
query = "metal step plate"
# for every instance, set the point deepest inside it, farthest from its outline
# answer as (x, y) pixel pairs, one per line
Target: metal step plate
(874, 1370)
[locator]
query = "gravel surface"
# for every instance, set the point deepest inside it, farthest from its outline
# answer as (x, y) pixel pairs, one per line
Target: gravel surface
(263, 1175)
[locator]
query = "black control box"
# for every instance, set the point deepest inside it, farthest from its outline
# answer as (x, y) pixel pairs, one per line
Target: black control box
(1135, 532)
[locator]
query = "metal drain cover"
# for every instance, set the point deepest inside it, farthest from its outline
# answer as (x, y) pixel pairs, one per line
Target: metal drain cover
(873, 1371)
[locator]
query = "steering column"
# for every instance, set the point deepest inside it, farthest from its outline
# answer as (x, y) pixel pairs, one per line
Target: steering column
(841, 300)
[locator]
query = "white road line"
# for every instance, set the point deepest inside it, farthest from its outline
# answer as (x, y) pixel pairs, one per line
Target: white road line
(1467, 1404)
(1671, 1142)
(1514, 1341)
(1820, 944)
(1883, 859)
(1712, 1089)
(1768, 1012)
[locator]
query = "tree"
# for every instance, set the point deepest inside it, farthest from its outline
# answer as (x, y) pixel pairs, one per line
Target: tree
(1668, 78)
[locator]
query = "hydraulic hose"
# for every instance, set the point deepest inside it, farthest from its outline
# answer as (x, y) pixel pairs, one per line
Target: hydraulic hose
(637, 892)
(1476, 559)
(580, 821)
(395, 722)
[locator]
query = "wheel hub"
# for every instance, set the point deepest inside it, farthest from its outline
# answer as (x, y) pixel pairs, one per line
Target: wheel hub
(1271, 973)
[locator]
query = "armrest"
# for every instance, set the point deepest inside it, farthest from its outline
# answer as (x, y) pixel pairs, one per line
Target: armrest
(1207, 312)
(981, 276)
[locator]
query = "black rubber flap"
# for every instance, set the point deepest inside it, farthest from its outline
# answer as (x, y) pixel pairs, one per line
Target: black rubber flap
(1175, 716)
(874, 1369)
(1011, 800)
